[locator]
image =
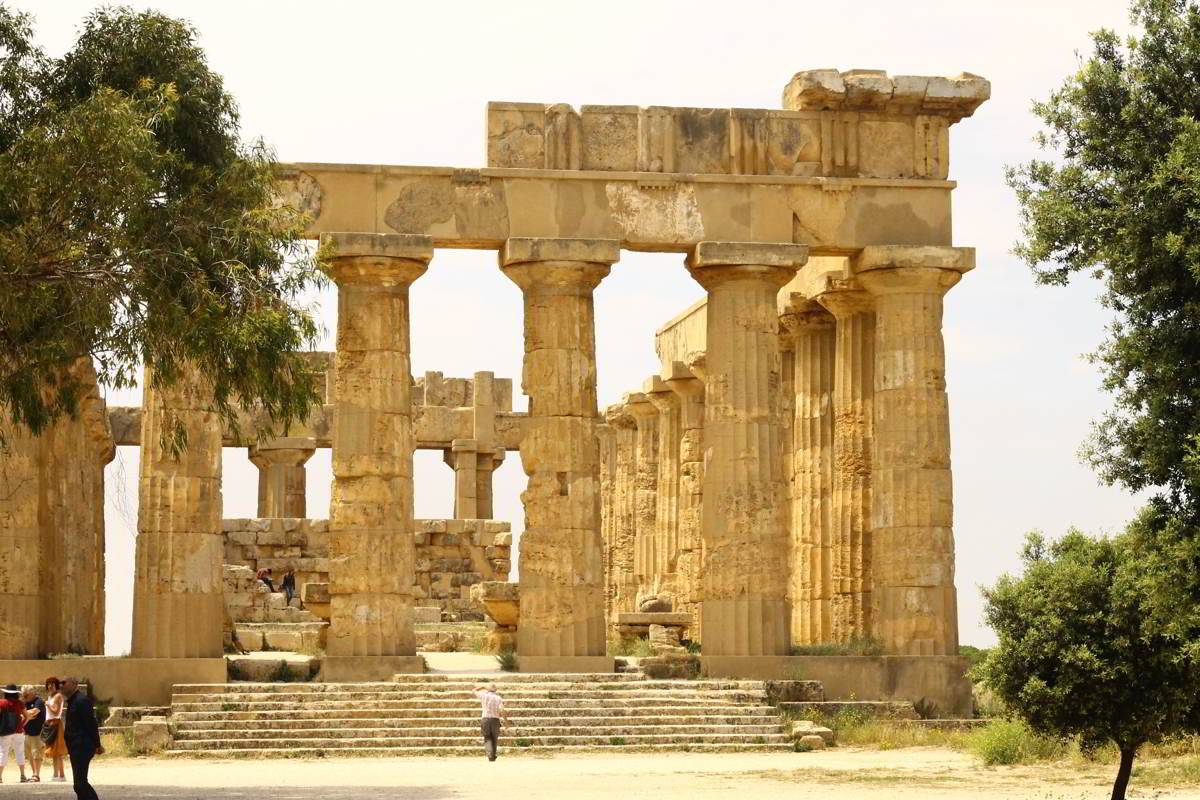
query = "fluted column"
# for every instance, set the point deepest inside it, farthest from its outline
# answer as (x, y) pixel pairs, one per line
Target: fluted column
(915, 604)
(562, 580)
(810, 329)
(619, 507)
(666, 517)
(689, 592)
(745, 533)
(853, 389)
(282, 478)
(178, 601)
(371, 509)
(21, 601)
(645, 417)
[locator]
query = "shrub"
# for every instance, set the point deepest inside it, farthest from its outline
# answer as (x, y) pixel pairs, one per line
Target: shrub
(507, 659)
(862, 646)
(1013, 742)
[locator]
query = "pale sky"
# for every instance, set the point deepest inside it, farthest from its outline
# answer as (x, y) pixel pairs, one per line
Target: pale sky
(407, 83)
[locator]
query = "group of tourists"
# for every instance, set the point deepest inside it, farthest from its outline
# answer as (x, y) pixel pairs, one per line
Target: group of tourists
(288, 586)
(60, 725)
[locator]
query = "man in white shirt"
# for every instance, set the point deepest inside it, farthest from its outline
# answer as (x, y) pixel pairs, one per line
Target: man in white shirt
(493, 713)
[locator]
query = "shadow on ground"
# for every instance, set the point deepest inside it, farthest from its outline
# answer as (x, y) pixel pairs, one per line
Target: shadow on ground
(255, 792)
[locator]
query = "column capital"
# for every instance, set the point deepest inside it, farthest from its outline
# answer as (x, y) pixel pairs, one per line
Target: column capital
(558, 266)
(844, 298)
(685, 382)
(660, 395)
(640, 407)
(895, 269)
(288, 451)
(378, 259)
(804, 315)
(714, 263)
(618, 416)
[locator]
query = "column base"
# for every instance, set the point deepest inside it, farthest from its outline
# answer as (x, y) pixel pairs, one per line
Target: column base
(572, 664)
(937, 680)
(353, 669)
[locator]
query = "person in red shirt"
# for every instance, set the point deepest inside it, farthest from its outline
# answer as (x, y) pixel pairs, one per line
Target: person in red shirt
(13, 716)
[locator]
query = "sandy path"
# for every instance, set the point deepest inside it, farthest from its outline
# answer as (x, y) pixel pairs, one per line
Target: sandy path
(844, 773)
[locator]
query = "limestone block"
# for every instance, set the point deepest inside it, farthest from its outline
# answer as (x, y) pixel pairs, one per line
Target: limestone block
(315, 593)
(500, 600)
(812, 741)
(151, 735)
(502, 540)
(425, 615)
(287, 640)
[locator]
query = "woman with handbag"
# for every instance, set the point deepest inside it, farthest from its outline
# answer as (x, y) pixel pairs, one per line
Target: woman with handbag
(55, 728)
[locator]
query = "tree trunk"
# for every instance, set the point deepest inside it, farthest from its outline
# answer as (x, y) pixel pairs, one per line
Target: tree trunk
(1122, 781)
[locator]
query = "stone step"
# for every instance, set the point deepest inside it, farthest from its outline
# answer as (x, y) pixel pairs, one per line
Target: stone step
(427, 723)
(507, 748)
(513, 705)
(438, 733)
(294, 715)
(615, 680)
(516, 695)
(225, 743)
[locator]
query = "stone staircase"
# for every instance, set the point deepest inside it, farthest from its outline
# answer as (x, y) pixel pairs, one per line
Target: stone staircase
(438, 713)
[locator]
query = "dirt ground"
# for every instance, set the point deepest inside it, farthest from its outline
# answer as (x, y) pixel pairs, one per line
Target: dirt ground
(844, 772)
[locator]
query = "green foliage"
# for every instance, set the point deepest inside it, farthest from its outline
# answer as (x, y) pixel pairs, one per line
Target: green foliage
(1013, 742)
(973, 654)
(136, 227)
(859, 646)
(1118, 196)
(1081, 655)
(629, 646)
(507, 659)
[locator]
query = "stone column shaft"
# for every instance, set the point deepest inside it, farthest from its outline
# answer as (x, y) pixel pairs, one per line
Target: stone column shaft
(371, 509)
(178, 592)
(745, 610)
(645, 489)
(21, 600)
(666, 535)
(915, 603)
(562, 570)
(853, 390)
(812, 336)
(689, 589)
(620, 510)
(282, 478)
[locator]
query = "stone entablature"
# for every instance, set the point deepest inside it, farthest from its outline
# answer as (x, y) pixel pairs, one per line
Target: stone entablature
(858, 124)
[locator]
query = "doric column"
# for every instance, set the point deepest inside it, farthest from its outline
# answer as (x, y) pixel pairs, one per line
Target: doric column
(853, 388)
(562, 580)
(178, 600)
(282, 481)
(915, 605)
(645, 488)
(690, 391)
(620, 512)
(745, 533)
(371, 510)
(463, 458)
(810, 329)
(21, 600)
(666, 521)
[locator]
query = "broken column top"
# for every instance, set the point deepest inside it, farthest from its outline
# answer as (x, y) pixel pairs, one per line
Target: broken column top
(874, 90)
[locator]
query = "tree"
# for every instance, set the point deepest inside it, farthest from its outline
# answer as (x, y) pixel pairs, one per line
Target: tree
(136, 227)
(1081, 655)
(1120, 198)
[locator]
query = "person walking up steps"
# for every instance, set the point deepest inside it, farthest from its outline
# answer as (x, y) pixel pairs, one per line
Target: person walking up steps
(83, 737)
(493, 713)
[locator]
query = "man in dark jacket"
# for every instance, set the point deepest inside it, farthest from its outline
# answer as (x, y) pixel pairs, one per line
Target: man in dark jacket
(83, 737)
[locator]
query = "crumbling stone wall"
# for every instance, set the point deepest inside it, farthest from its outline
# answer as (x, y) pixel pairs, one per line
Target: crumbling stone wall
(452, 555)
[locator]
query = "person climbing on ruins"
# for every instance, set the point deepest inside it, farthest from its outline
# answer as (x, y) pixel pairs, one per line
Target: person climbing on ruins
(288, 586)
(83, 737)
(264, 575)
(493, 714)
(13, 716)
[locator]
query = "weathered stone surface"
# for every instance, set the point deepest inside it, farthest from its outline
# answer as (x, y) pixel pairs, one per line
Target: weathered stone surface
(151, 735)
(745, 608)
(562, 571)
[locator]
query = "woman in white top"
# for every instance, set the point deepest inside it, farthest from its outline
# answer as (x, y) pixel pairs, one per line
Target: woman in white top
(56, 748)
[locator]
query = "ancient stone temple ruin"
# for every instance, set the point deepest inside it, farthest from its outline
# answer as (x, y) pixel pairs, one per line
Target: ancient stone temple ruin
(783, 479)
